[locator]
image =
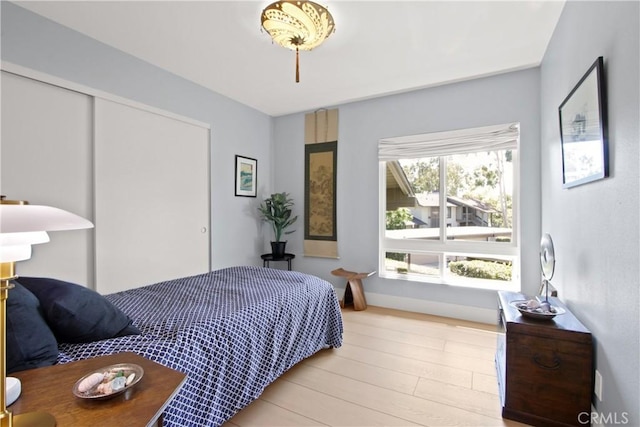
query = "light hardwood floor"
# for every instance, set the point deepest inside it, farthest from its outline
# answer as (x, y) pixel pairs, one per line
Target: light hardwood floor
(394, 369)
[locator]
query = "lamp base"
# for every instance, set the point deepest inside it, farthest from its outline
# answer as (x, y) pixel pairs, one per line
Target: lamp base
(34, 419)
(14, 387)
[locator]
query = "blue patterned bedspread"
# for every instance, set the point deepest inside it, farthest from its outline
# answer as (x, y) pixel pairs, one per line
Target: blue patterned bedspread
(232, 331)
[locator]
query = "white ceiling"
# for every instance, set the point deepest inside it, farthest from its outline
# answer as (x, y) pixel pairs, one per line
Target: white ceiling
(379, 47)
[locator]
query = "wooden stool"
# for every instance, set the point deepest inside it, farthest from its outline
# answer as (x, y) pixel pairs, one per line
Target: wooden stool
(353, 292)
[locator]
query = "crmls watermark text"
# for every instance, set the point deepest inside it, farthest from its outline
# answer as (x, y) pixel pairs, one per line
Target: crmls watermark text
(611, 418)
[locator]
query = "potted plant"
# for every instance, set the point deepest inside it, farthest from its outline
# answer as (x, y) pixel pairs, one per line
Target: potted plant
(277, 210)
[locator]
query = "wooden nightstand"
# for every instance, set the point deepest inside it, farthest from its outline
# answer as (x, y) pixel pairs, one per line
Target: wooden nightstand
(50, 390)
(544, 367)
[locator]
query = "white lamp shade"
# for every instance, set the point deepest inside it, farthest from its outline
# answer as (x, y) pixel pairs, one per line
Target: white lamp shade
(28, 218)
(15, 253)
(17, 246)
(26, 238)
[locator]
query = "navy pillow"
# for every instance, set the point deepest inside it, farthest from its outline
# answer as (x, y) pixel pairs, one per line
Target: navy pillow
(30, 342)
(77, 314)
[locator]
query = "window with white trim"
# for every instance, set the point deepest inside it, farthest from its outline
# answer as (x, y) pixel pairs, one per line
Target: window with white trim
(448, 207)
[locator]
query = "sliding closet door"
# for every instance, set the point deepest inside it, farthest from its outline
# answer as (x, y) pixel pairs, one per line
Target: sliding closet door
(152, 197)
(46, 158)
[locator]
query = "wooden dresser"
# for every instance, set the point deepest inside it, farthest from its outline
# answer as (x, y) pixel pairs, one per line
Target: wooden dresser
(544, 367)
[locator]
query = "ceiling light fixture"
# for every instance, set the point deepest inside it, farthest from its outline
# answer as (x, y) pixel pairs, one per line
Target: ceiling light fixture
(297, 25)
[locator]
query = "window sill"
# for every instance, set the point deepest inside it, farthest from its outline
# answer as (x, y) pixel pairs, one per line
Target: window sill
(458, 282)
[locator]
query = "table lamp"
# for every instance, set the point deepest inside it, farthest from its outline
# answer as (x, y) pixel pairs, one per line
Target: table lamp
(23, 225)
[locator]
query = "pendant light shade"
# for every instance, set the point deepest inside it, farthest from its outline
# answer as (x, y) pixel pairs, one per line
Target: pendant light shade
(297, 25)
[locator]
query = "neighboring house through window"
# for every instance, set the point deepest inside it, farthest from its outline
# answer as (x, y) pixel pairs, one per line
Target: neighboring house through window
(469, 179)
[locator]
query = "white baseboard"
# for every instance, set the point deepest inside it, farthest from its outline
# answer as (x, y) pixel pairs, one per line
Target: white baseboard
(435, 308)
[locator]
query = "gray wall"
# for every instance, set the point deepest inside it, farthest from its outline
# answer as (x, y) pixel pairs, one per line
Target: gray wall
(511, 97)
(34, 42)
(595, 226)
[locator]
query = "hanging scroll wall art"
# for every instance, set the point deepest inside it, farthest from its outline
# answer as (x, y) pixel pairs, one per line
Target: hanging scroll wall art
(321, 156)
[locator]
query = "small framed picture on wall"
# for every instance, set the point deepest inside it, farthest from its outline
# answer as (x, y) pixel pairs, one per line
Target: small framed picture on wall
(246, 176)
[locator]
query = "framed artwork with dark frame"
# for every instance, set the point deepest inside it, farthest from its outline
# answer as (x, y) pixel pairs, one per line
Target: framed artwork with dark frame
(583, 129)
(246, 176)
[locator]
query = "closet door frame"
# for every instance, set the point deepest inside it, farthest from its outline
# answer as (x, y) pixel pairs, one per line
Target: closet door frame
(94, 94)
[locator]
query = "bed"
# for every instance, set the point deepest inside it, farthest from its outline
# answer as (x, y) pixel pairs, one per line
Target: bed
(232, 331)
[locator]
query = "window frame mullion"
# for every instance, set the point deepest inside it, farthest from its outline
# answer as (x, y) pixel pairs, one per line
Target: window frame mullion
(442, 188)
